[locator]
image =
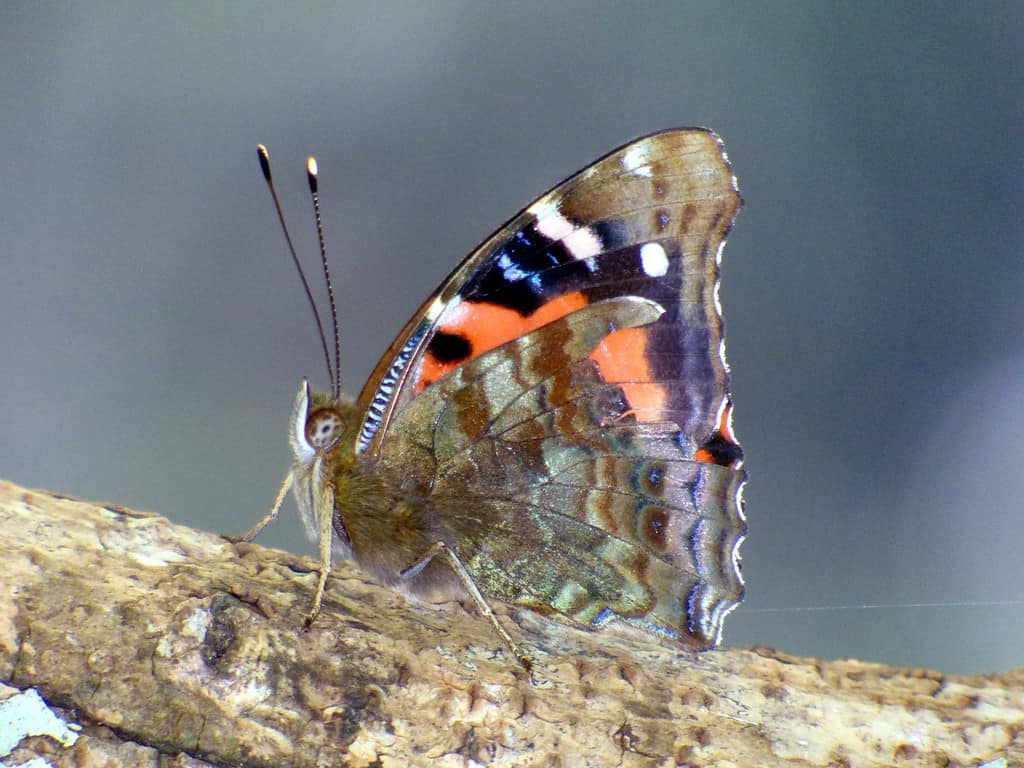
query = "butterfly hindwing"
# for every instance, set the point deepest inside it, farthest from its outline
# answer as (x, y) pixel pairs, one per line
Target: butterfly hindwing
(560, 408)
(595, 514)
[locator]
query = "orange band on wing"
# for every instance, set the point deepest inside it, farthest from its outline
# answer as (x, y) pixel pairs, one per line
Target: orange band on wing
(485, 326)
(622, 356)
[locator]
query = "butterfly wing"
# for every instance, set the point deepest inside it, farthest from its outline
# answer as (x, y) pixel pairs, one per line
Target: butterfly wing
(561, 404)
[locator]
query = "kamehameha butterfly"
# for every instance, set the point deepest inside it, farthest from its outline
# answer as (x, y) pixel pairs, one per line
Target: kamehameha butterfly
(552, 428)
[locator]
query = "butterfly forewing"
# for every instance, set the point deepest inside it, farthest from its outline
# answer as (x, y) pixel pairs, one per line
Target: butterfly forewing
(648, 219)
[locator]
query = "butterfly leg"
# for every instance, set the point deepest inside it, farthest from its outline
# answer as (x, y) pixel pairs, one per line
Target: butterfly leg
(442, 549)
(253, 532)
(325, 515)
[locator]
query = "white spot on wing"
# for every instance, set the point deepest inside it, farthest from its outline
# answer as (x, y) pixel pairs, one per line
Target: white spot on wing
(653, 259)
(635, 160)
(583, 243)
(554, 225)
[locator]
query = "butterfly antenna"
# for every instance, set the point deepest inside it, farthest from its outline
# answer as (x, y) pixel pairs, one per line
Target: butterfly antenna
(265, 167)
(311, 174)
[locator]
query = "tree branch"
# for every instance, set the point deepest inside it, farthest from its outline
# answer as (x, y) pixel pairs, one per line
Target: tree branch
(180, 641)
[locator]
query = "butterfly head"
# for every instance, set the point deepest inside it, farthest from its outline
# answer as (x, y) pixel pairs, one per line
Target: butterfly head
(319, 424)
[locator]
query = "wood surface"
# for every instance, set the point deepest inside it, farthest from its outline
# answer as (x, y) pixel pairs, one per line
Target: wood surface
(173, 646)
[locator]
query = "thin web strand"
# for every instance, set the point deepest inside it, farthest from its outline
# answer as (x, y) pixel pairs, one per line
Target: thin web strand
(890, 606)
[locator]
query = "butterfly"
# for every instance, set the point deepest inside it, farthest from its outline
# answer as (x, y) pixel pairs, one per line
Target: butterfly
(553, 427)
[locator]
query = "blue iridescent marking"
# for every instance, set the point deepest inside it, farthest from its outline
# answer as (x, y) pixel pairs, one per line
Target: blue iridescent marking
(695, 535)
(693, 607)
(511, 271)
(654, 475)
(657, 629)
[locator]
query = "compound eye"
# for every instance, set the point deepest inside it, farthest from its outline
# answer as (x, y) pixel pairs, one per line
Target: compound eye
(323, 428)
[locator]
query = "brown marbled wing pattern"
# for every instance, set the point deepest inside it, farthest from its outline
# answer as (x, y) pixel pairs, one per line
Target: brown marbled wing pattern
(673, 188)
(531, 467)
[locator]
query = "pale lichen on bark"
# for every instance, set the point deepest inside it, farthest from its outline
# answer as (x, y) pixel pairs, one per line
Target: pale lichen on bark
(166, 641)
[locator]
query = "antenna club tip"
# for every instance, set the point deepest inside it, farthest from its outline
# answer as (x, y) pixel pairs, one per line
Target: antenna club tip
(311, 174)
(264, 161)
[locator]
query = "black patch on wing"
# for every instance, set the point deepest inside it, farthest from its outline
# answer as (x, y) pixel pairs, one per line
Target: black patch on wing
(723, 452)
(525, 272)
(530, 269)
(449, 347)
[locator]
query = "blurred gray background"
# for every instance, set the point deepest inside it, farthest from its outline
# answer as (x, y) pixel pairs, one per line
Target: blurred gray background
(153, 332)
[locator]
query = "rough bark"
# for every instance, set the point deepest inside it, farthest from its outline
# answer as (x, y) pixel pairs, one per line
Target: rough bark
(166, 641)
